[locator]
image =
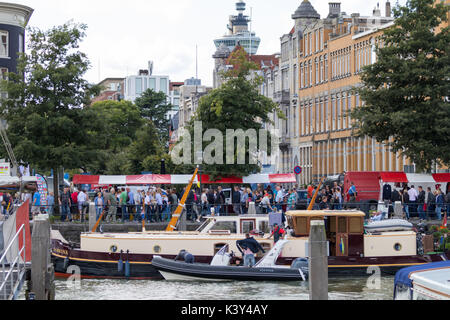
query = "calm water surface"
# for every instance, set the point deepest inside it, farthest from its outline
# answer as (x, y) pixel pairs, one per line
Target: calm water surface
(339, 289)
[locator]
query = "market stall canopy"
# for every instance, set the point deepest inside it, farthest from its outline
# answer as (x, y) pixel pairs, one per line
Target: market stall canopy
(394, 177)
(180, 179)
(441, 177)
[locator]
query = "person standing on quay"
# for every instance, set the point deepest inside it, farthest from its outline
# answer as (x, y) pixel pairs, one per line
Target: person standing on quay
(36, 209)
(82, 201)
(111, 202)
(65, 203)
(123, 205)
(421, 204)
(50, 203)
(439, 204)
(99, 205)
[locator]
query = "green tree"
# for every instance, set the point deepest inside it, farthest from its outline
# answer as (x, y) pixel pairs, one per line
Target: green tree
(154, 106)
(146, 152)
(236, 105)
(47, 125)
(404, 91)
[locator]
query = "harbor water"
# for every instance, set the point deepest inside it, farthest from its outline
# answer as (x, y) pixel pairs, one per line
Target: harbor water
(361, 288)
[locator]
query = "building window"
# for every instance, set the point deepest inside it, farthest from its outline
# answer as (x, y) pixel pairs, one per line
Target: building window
(326, 67)
(317, 70)
(349, 108)
(310, 43)
(322, 40)
(311, 117)
(138, 86)
(302, 122)
(163, 85)
(338, 113)
(333, 113)
(321, 69)
(306, 44)
(306, 119)
(295, 76)
(302, 83)
(4, 43)
(21, 43)
(326, 114)
(152, 84)
(317, 107)
(310, 73)
(317, 40)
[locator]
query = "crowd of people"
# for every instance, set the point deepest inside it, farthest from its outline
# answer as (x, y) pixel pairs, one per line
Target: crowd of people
(425, 203)
(154, 204)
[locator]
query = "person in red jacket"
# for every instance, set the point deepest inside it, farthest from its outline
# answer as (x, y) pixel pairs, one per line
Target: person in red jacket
(74, 207)
(277, 233)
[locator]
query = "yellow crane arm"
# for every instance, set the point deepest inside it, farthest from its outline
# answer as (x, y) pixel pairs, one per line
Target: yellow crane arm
(176, 215)
(313, 200)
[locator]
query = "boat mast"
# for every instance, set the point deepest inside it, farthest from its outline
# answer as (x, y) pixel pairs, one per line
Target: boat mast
(313, 200)
(176, 215)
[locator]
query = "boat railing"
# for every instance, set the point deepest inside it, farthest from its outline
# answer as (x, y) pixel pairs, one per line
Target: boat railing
(13, 266)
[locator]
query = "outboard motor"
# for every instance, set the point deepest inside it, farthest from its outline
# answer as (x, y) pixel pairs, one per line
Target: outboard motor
(302, 264)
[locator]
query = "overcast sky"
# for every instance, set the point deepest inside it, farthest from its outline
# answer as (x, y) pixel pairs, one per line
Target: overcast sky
(123, 36)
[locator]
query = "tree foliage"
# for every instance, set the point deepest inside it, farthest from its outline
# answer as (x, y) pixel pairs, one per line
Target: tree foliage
(406, 91)
(47, 125)
(153, 106)
(236, 105)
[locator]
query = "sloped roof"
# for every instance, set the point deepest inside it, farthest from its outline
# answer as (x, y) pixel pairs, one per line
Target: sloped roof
(305, 10)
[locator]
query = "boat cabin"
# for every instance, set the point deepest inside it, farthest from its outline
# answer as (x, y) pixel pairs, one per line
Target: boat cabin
(221, 225)
(347, 237)
(344, 229)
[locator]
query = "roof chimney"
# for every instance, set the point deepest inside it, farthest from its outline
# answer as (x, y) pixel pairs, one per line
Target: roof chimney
(335, 9)
(388, 9)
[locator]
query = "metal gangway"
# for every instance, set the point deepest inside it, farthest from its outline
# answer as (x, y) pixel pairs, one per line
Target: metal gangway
(13, 267)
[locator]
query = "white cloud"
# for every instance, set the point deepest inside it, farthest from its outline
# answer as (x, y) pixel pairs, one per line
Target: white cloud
(124, 35)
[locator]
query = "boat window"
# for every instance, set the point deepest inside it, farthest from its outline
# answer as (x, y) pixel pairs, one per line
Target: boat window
(247, 226)
(356, 225)
(301, 226)
(264, 226)
(225, 225)
(342, 225)
(203, 226)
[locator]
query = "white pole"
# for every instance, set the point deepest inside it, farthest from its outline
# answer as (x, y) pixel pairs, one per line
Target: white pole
(251, 19)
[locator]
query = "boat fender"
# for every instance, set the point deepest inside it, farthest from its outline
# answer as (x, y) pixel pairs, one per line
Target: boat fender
(120, 263)
(127, 266)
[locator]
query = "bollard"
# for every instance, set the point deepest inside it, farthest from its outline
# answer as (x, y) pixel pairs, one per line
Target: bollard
(42, 272)
(398, 210)
(251, 208)
(92, 217)
(318, 261)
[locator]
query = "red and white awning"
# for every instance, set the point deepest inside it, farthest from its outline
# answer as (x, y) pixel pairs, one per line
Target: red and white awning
(155, 179)
(412, 178)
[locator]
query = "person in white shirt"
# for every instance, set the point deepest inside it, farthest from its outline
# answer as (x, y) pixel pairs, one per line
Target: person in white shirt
(265, 204)
(279, 198)
(413, 195)
(82, 199)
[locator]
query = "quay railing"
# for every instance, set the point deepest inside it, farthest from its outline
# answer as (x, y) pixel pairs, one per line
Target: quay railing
(13, 267)
(162, 213)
